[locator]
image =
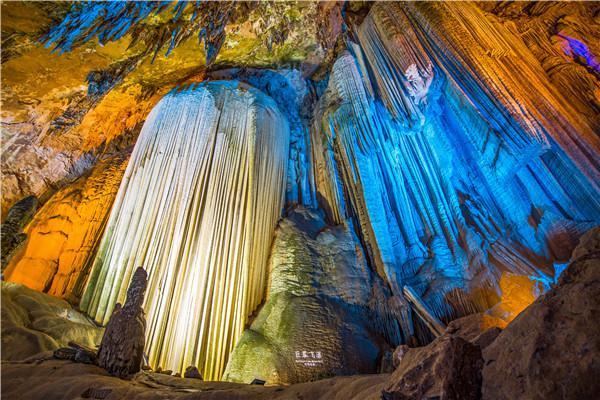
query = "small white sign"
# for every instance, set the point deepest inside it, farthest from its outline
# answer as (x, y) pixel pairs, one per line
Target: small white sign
(308, 358)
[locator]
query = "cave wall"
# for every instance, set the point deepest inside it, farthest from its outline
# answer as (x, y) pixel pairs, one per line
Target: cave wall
(455, 168)
(457, 141)
(64, 234)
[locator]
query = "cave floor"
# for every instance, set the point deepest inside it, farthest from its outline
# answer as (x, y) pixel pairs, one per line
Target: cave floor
(49, 379)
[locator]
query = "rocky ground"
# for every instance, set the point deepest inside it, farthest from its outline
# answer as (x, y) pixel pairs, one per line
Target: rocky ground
(550, 351)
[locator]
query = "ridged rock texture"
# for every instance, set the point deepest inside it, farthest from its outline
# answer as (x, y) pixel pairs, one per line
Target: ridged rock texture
(325, 313)
(455, 168)
(197, 206)
(443, 154)
(63, 236)
(12, 227)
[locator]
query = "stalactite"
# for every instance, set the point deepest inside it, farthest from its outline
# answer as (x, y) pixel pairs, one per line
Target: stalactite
(197, 207)
(454, 169)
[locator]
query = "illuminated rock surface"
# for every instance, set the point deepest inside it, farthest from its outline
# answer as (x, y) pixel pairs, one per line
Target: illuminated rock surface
(443, 154)
(200, 198)
(528, 359)
(63, 236)
(447, 206)
(34, 322)
(550, 351)
(325, 310)
(12, 228)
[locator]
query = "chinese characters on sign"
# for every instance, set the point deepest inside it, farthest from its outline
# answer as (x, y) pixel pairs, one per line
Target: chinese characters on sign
(309, 358)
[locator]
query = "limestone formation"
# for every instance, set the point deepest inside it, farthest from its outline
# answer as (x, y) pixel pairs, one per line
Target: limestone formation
(200, 198)
(447, 369)
(436, 163)
(324, 312)
(480, 329)
(64, 234)
(121, 350)
(550, 351)
(192, 372)
(34, 323)
(457, 174)
(76, 353)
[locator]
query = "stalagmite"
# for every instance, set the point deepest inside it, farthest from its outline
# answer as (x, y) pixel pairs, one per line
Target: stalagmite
(197, 207)
(121, 351)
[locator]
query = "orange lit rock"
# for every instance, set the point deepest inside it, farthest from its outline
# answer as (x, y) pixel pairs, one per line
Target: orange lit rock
(62, 236)
(518, 292)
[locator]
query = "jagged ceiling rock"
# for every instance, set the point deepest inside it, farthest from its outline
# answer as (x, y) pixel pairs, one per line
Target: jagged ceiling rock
(566, 41)
(59, 108)
(325, 312)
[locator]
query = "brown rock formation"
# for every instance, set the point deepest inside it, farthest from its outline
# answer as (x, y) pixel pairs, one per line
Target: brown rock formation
(192, 372)
(480, 329)
(122, 348)
(447, 369)
(551, 350)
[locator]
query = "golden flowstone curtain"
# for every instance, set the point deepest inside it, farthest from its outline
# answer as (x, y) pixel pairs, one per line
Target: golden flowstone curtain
(196, 208)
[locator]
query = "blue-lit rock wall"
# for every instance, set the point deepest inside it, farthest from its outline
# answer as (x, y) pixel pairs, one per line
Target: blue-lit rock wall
(453, 154)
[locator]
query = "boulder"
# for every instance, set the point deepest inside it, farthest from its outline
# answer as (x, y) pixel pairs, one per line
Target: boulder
(480, 329)
(449, 368)
(121, 351)
(552, 349)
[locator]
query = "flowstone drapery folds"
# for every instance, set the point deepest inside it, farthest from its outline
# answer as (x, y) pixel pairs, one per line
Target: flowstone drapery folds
(372, 174)
(326, 312)
(437, 151)
(197, 206)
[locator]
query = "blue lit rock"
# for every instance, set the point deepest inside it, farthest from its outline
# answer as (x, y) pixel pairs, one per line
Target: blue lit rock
(419, 140)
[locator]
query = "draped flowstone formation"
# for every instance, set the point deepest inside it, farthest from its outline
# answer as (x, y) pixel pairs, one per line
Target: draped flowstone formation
(385, 169)
(197, 206)
(456, 170)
